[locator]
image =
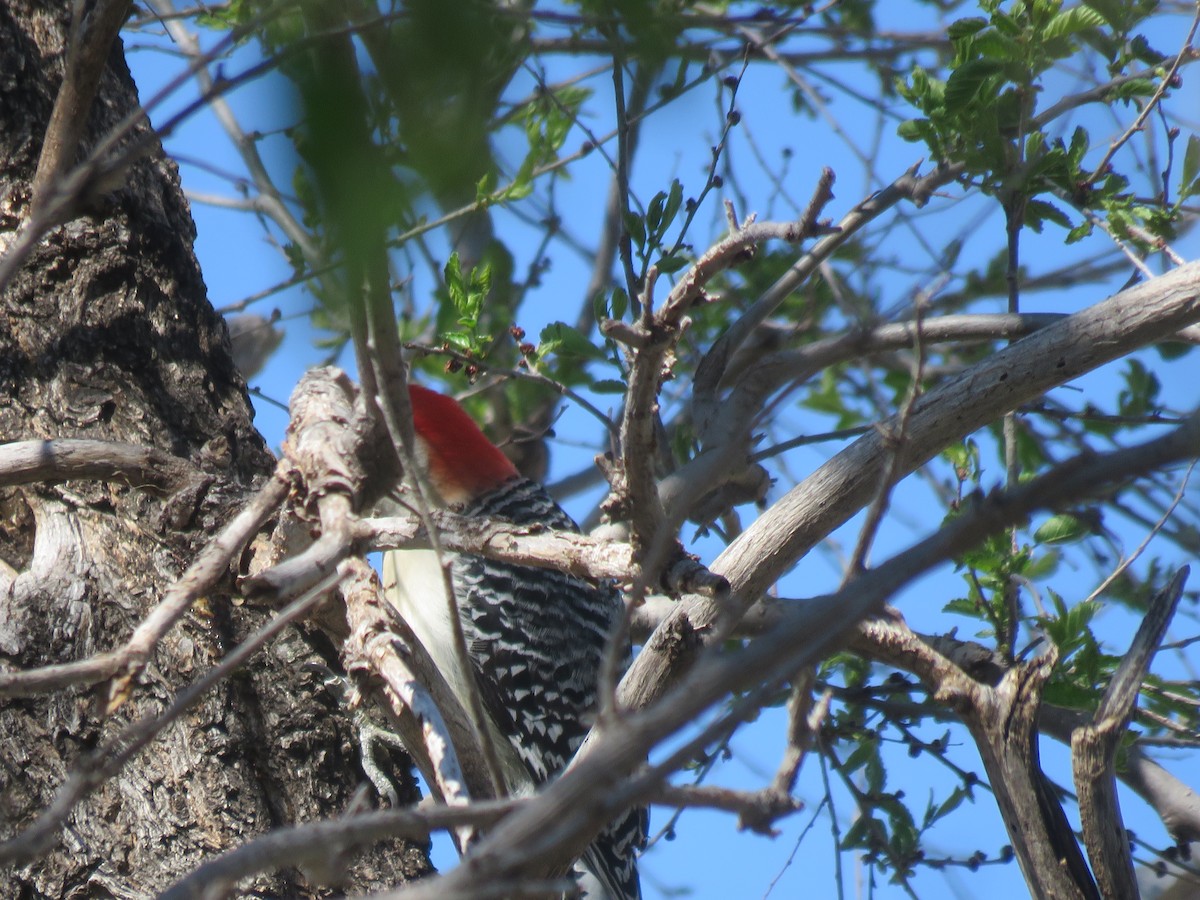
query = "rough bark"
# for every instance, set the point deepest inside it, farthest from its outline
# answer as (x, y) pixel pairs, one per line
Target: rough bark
(106, 333)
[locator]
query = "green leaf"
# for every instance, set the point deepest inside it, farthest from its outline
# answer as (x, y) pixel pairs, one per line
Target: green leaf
(1191, 167)
(620, 303)
(1036, 211)
(654, 212)
(965, 459)
(1138, 87)
(1141, 49)
(1080, 231)
(452, 273)
(1080, 141)
(518, 191)
(965, 28)
(608, 386)
(1170, 350)
(963, 607)
(859, 757)
(1140, 394)
(991, 44)
(522, 183)
(876, 775)
(484, 187)
(458, 340)
(1043, 565)
(674, 201)
(1071, 21)
(1061, 529)
(968, 80)
(636, 228)
(1035, 144)
(1069, 696)
(481, 279)
(856, 834)
(1007, 25)
(670, 264)
(913, 129)
(951, 803)
(1112, 11)
(918, 81)
(1070, 628)
(467, 294)
(563, 340)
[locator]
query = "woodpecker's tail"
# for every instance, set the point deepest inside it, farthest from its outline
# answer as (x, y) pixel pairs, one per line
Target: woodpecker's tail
(608, 869)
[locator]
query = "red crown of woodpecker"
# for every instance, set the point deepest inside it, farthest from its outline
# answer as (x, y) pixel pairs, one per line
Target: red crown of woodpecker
(461, 463)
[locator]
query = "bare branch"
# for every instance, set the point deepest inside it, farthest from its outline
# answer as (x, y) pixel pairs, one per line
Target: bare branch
(269, 201)
(1094, 749)
(372, 648)
(566, 551)
(1002, 718)
(62, 459)
(91, 43)
(1168, 81)
(635, 496)
(804, 720)
(755, 379)
(712, 368)
(757, 811)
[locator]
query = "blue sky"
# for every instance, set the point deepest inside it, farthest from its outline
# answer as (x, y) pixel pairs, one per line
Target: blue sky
(708, 857)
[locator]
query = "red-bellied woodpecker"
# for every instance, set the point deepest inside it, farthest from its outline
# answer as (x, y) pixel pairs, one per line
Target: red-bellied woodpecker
(535, 637)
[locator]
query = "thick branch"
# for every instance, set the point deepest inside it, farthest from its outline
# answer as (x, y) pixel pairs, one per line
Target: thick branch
(1001, 716)
(1094, 749)
(91, 44)
(837, 490)
(937, 660)
(22, 462)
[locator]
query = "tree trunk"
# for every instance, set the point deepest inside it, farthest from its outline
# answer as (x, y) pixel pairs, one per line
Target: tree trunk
(106, 333)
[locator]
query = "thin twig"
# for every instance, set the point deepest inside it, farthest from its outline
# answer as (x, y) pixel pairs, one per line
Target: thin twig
(711, 370)
(269, 200)
(1158, 526)
(1168, 81)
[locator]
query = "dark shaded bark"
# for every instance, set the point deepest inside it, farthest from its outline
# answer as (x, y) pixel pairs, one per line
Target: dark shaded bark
(107, 333)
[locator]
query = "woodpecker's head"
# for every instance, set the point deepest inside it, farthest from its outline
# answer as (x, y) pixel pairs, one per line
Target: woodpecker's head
(460, 463)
